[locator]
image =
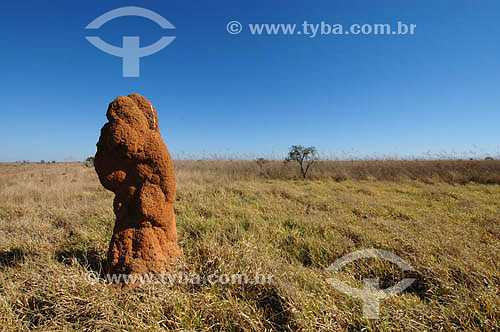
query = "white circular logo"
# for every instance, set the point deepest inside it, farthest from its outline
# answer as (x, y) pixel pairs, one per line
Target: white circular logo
(234, 27)
(92, 277)
(371, 294)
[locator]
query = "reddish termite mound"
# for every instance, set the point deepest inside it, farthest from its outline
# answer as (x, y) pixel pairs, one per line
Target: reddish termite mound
(133, 162)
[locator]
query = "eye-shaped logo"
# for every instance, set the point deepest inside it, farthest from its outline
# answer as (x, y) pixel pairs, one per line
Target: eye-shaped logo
(130, 52)
(371, 294)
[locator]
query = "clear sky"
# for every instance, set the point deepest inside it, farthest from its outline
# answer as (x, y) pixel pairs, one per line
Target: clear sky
(250, 95)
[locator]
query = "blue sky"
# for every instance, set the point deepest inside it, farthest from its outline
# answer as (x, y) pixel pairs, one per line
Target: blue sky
(437, 91)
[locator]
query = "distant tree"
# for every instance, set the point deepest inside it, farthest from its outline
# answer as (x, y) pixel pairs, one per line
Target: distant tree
(42, 161)
(260, 162)
(89, 162)
(489, 158)
(305, 157)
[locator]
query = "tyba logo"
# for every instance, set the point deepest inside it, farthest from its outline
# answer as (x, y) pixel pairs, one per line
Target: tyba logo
(371, 294)
(130, 51)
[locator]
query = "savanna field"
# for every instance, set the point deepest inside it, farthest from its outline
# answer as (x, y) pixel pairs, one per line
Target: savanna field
(246, 217)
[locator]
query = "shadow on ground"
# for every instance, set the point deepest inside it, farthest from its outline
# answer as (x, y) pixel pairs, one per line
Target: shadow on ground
(12, 257)
(91, 259)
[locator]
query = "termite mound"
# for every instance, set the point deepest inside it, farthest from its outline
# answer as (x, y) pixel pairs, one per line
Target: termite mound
(134, 163)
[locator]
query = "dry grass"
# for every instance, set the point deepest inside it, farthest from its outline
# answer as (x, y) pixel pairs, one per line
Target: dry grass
(238, 217)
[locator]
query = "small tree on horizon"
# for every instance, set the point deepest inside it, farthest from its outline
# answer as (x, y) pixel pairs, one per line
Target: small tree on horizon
(304, 156)
(89, 162)
(260, 162)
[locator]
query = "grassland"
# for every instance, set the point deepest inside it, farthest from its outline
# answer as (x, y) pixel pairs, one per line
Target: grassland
(442, 217)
